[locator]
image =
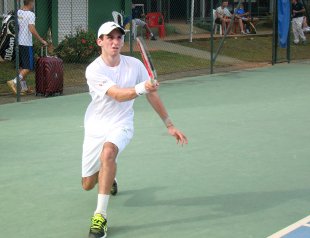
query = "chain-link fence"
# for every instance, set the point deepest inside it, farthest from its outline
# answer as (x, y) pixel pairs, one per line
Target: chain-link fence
(192, 37)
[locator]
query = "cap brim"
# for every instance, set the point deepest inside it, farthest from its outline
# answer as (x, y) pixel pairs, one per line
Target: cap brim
(121, 30)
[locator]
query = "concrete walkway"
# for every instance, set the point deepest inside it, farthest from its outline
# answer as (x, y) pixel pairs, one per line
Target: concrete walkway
(177, 48)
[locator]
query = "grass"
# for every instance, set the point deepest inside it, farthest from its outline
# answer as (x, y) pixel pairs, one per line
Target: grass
(73, 73)
(165, 63)
(250, 48)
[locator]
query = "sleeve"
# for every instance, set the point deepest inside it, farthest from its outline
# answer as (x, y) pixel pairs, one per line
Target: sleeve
(143, 75)
(227, 12)
(98, 83)
(32, 19)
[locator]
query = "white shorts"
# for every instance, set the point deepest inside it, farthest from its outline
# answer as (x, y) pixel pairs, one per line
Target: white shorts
(92, 148)
(139, 22)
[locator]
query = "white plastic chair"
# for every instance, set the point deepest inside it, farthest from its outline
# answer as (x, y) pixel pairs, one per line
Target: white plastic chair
(118, 18)
(215, 25)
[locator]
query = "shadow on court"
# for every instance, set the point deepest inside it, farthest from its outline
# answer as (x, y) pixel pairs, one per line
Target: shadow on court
(244, 173)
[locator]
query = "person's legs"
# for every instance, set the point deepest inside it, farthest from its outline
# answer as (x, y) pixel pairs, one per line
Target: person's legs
(300, 31)
(227, 25)
(24, 73)
(295, 31)
(145, 26)
(26, 66)
(107, 171)
(105, 178)
(99, 166)
(241, 25)
(88, 183)
(223, 22)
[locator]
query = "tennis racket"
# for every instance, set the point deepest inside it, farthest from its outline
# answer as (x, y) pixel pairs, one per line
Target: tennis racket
(147, 59)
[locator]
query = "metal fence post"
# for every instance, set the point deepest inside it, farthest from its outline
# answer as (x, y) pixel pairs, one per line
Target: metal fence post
(275, 32)
(212, 38)
(16, 7)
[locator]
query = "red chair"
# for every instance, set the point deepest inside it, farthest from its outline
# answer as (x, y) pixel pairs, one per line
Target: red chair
(155, 20)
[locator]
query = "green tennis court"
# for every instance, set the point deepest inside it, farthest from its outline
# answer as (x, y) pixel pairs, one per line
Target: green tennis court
(245, 172)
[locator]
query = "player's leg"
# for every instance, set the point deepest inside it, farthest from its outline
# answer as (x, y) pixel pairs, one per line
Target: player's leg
(103, 159)
(88, 183)
(105, 177)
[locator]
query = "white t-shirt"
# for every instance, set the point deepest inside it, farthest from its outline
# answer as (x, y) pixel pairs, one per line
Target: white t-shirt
(25, 18)
(105, 112)
(222, 12)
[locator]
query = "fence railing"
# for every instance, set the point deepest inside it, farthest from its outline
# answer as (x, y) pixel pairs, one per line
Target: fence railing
(70, 31)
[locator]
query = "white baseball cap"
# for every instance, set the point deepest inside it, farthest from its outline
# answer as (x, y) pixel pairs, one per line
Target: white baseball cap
(109, 26)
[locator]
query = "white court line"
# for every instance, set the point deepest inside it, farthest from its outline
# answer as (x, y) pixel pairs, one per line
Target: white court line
(285, 231)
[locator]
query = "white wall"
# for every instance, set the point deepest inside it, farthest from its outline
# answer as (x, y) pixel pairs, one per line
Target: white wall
(6, 6)
(72, 15)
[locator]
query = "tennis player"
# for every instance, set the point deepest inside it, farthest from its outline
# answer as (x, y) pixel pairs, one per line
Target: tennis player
(114, 82)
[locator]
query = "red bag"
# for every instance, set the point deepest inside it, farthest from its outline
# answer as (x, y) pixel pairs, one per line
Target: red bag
(49, 75)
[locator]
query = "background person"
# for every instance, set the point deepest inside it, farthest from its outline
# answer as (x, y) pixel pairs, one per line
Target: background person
(246, 18)
(297, 21)
(223, 16)
(26, 23)
(136, 17)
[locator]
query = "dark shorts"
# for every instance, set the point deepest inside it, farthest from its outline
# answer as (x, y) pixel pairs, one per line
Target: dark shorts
(218, 21)
(26, 60)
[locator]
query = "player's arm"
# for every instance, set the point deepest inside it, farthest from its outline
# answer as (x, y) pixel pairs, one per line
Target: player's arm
(127, 94)
(34, 32)
(159, 107)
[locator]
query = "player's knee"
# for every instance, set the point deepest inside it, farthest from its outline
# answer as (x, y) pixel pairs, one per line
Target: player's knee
(87, 185)
(109, 153)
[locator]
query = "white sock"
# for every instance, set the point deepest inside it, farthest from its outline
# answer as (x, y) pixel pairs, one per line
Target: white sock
(23, 85)
(152, 34)
(102, 204)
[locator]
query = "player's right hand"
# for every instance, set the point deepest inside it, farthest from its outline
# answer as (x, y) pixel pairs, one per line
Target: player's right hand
(151, 87)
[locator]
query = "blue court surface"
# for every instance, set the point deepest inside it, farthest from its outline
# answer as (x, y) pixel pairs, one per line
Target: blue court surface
(300, 229)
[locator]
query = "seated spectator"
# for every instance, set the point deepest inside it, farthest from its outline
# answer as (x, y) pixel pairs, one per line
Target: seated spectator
(241, 15)
(245, 18)
(136, 16)
(223, 16)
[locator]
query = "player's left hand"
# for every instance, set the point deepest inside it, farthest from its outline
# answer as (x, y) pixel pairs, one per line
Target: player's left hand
(179, 136)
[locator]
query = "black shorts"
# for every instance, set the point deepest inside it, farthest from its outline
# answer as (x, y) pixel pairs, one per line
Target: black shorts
(26, 60)
(218, 21)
